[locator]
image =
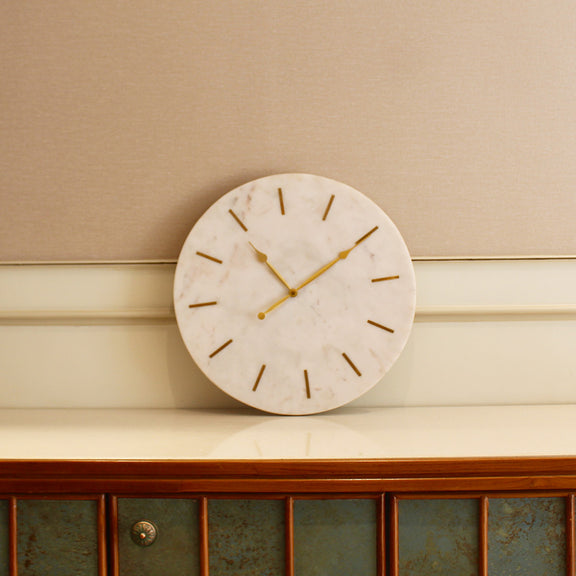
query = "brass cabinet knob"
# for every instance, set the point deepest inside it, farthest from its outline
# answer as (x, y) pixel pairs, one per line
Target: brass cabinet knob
(144, 533)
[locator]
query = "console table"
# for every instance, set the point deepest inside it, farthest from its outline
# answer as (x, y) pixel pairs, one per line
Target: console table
(402, 492)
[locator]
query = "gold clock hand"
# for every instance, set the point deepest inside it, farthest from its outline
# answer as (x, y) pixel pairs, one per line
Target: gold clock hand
(342, 256)
(264, 258)
(293, 292)
(262, 315)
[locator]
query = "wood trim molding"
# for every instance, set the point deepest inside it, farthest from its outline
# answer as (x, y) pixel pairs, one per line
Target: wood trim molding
(570, 535)
(289, 537)
(286, 468)
(102, 533)
(554, 474)
(13, 536)
(203, 530)
(483, 536)
(113, 553)
(394, 544)
(381, 536)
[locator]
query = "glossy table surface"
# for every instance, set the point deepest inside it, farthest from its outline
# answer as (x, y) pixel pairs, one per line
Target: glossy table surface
(347, 433)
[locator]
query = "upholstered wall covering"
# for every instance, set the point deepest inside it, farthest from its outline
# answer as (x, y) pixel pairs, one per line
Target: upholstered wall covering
(121, 122)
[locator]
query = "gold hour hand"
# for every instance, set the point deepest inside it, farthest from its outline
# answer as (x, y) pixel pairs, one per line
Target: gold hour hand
(264, 258)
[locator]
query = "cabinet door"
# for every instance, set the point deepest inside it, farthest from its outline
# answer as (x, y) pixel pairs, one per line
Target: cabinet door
(227, 536)
(58, 537)
(497, 535)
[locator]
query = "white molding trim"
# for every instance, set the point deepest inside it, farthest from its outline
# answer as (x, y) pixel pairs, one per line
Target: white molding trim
(494, 313)
(422, 258)
(107, 317)
(448, 291)
(104, 336)
(102, 317)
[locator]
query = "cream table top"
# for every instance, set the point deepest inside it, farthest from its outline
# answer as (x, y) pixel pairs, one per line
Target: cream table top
(240, 434)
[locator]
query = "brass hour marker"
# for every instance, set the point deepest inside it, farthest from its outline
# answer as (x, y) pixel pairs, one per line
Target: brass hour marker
(207, 256)
(385, 278)
(200, 304)
(380, 326)
(366, 235)
(221, 348)
(328, 207)
(259, 377)
(238, 220)
(280, 197)
(307, 384)
(352, 365)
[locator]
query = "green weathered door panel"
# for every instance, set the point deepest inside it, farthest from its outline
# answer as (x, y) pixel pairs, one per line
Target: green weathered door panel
(335, 537)
(527, 536)
(57, 537)
(438, 537)
(246, 537)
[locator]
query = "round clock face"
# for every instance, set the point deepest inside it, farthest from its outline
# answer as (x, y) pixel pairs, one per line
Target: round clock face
(294, 293)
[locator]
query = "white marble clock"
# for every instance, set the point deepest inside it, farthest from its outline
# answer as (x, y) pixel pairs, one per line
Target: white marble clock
(294, 293)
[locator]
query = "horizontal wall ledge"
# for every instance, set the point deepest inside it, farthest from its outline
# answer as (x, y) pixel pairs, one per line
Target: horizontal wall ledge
(104, 317)
(140, 293)
(107, 317)
(494, 313)
(105, 336)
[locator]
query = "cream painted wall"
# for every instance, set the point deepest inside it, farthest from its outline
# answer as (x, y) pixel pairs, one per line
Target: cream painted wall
(121, 122)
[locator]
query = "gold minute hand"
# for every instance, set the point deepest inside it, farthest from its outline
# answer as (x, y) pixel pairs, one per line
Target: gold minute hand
(294, 292)
(342, 256)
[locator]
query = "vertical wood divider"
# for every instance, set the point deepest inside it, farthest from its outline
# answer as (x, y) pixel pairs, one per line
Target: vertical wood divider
(13, 536)
(102, 517)
(204, 549)
(381, 535)
(570, 535)
(113, 558)
(483, 537)
(289, 521)
(394, 539)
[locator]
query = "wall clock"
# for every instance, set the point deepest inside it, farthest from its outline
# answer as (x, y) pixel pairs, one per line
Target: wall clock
(294, 293)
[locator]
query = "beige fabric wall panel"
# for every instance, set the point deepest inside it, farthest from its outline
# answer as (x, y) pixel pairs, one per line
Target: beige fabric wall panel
(121, 122)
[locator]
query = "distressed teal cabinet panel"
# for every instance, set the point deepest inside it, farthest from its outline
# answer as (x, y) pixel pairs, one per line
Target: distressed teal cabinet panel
(335, 537)
(176, 549)
(57, 537)
(246, 537)
(438, 537)
(526, 536)
(4, 549)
